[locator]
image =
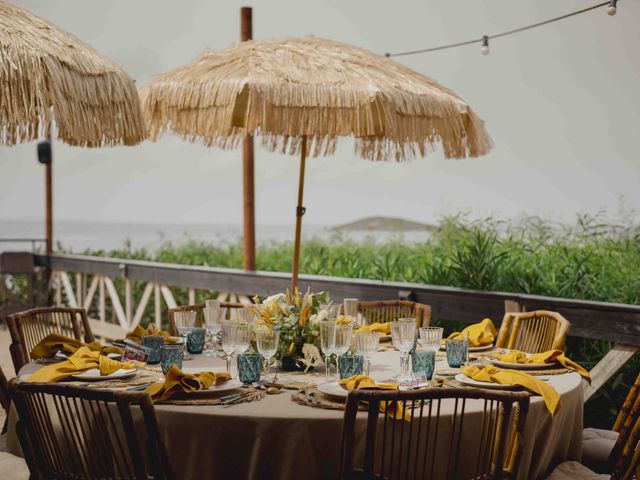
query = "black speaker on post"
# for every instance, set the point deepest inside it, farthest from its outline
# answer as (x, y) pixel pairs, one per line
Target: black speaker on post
(44, 152)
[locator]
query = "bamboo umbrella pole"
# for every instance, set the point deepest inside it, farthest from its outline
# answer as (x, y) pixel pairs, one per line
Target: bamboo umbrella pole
(248, 177)
(300, 210)
(48, 174)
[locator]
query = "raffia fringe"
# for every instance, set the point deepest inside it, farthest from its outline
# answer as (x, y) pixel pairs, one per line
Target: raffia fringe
(285, 89)
(48, 75)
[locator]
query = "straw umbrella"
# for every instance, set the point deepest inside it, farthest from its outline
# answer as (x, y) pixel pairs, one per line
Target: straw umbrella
(300, 95)
(49, 76)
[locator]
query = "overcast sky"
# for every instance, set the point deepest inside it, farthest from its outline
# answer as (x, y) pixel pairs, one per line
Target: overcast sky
(561, 102)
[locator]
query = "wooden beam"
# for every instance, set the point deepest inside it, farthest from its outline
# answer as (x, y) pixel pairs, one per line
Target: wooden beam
(606, 368)
(618, 323)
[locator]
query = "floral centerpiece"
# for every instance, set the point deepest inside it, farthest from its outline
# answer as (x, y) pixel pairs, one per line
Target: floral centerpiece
(297, 318)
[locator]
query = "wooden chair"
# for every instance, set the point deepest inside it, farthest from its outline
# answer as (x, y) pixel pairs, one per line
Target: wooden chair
(533, 332)
(391, 310)
(28, 328)
(599, 450)
(624, 458)
(5, 399)
(407, 449)
(199, 309)
(70, 432)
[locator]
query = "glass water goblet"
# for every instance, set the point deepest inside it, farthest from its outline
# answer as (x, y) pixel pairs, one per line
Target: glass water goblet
(229, 336)
(244, 334)
(403, 334)
(431, 338)
(367, 346)
(351, 308)
(343, 342)
(212, 318)
(328, 343)
(267, 340)
(185, 322)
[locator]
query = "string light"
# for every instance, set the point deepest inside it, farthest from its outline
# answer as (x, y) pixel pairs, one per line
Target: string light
(484, 49)
(484, 40)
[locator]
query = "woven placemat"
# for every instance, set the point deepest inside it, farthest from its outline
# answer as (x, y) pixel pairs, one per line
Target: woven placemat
(244, 394)
(312, 398)
(145, 375)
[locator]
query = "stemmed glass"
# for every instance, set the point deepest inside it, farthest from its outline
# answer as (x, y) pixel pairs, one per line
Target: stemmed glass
(351, 308)
(431, 338)
(267, 340)
(185, 322)
(343, 342)
(403, 334)
(243, 337)
(229, 334)
(212, 318)
(367, 346)
(328, 342)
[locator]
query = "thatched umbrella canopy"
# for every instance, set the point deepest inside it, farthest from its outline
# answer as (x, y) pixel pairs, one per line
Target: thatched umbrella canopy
(300, 95)
(47, 74)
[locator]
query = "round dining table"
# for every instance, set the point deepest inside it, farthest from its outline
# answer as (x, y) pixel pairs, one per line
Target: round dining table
(278, 438)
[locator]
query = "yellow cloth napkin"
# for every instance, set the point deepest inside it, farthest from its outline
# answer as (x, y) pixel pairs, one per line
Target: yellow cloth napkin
(137, 333)
(84, 359)
(513, 377)
(176, 381)
(550, 356)
(54, 343)
(383, 328)
(482, 333)
(393, 409)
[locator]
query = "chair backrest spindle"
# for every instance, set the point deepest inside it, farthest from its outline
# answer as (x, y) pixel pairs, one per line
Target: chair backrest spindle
(427, 441)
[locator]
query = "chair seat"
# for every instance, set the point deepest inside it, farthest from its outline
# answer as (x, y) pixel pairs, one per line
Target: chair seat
(12, 467)
(575, 471)
(596, 448)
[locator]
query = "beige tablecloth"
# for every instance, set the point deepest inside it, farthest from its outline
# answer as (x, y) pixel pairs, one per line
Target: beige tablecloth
(280, 439)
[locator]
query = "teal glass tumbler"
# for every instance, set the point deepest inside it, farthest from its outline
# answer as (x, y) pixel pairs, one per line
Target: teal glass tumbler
(457, 352)
(171, 355)
(350, 365)
(424, 361)
(249, 367)
(154, 343)
(195, 340)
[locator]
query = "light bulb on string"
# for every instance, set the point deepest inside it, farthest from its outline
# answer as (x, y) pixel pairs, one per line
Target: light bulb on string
(484, 49)
(612, 9)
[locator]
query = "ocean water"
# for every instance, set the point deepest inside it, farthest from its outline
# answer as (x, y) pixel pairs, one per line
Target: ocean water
(80, 236)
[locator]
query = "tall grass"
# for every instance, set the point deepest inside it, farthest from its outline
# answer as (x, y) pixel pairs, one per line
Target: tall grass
(591, 259)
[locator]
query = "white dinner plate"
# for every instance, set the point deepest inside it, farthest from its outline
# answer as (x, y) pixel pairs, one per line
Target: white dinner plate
(521, 366)
(93, 375)
(226, 386)
(64, 356)
(333, 389)
(481, 348)
(462, 378)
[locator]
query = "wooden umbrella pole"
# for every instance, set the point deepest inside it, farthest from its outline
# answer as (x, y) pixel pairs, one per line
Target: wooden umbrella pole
(248, 182)
(299, 213)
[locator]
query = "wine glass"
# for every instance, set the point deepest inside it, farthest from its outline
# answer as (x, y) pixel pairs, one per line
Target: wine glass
(185, 322)
(367, 346)
(334, 311)
(431, 338)
(351, 308)
(212, 318)
(229, 335)
(327, 342)
(403, 334)
(243, 337)
(343, 342)
(267, 340)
